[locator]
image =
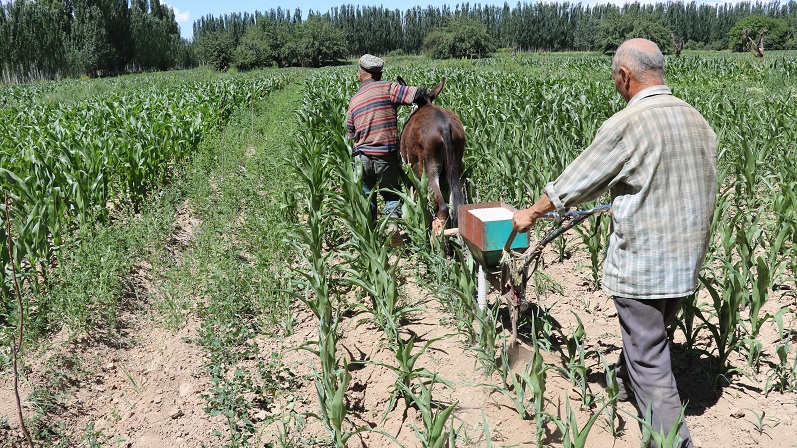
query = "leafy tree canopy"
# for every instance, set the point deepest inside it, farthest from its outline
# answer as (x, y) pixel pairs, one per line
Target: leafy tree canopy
(216, 49)
(319, 43)
(616, 29)
(775, 38)
(256, 48)
(461, 37)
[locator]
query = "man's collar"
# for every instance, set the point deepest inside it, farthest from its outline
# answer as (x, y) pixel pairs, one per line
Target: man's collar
(662, 89)
(366, 81)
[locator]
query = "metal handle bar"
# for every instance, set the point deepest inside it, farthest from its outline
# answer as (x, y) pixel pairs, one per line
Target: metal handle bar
(570, 219)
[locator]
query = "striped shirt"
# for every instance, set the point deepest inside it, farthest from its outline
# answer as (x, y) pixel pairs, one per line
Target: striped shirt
(658, 159)
(371, 118)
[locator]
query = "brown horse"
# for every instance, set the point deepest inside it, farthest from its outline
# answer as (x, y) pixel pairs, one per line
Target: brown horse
(434, 139)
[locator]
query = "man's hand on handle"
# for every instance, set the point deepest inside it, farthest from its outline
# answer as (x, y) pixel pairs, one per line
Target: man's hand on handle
(524, 219)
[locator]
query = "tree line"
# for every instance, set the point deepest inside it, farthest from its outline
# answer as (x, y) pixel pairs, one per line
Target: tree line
(266, 38)
(53, 39)
(48, 39)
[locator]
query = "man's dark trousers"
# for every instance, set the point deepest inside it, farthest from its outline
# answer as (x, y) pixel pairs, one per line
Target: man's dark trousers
(646, 360)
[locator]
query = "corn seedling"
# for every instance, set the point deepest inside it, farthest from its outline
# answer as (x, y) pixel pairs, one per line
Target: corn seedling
(726, 294)
(575, 357)
(761, 422)
(459, 291)
(574, 436)
(488, 437)
(784, 376)
(415, 212)
(662, 437)
(686, 321)
(331, 388)
(485, 338)
(435, 420)
(406, 372)
(537, 383)
(594, 237)
(517, 392)
(610, 399)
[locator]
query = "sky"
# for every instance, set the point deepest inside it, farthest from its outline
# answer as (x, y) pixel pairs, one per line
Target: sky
(188, 11)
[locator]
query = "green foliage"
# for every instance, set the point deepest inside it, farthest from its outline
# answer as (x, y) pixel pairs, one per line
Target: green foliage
(661, 437)
(54, 39)
(216, 49)
(255, 49)
(617, 28)
(434, 434)
(46, 40)
(87, 178)
(462, 37)
(155, 44)
(777, 33)
(316, 43)
(574, 436)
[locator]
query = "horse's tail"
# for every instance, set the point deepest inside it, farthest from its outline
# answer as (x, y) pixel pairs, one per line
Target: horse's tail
(454, 167)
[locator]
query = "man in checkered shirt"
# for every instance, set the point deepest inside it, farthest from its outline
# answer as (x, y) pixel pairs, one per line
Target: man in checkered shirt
(658, 159)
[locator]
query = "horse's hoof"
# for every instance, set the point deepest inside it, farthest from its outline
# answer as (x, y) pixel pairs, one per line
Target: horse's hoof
(394, 235)
(438, 225)
(396, 240)
(511, 342)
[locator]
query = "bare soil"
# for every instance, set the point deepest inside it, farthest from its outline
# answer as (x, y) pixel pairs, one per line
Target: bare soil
(145, 391)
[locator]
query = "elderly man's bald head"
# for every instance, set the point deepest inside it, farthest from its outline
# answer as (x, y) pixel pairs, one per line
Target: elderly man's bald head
(643, 58)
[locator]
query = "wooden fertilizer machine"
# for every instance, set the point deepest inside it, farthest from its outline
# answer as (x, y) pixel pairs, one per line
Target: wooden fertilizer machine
(504, 255)
(486, 229)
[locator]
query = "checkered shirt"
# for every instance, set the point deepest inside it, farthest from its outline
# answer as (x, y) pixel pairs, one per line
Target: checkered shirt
(658, 159)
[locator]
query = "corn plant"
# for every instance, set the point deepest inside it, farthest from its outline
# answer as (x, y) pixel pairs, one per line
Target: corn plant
(575, 356)
(762, 422)
(661, 437)
(727, 286)
(516, 392)
(726, 294)
(612, 391)
(488, 437)
(415, 212)
(67, 165)
(784, 376)
(594, 237)
(527, 390)
(537, 382)
(331, 380)
(485, 338)
(434, 433)
(406, 372)
(573, 435)
(685, 320)
(331, 389)
(459, 290)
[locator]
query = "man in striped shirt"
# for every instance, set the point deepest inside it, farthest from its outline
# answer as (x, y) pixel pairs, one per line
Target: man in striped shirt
(658, 159)
(372, 123)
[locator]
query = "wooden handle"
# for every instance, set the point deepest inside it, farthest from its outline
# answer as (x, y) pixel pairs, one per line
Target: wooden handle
(509, 240)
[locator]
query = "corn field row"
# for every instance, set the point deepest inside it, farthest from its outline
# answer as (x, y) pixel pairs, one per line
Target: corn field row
(526, 119)
(68, 161)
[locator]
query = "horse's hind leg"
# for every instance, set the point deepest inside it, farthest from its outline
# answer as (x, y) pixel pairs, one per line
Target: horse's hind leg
(433, 173)
(441, 214)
